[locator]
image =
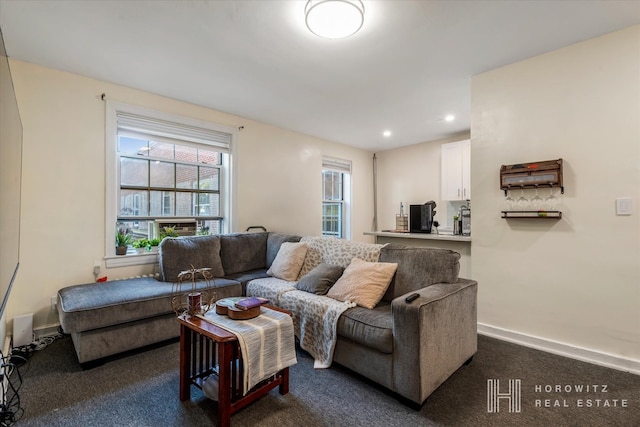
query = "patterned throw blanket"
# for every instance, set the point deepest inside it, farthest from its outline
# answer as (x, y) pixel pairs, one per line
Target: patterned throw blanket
(266, 342)
(315, 317)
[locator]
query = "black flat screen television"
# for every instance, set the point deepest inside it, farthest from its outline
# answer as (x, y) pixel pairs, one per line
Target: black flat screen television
(10, 180)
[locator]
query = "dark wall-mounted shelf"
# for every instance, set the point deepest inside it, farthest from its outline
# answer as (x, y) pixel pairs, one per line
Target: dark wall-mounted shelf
(532, 214)
(546, 173)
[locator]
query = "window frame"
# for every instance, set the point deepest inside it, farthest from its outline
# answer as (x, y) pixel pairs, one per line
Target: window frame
(343, 167)
(112, 174)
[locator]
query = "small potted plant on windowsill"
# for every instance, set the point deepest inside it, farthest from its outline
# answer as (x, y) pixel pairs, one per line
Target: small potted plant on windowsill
(153, 245)
(141, 245)
(123, 239)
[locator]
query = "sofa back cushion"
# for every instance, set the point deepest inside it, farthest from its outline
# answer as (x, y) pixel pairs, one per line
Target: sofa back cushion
(274, 241)
(418, 268)
(330, 250)
(179, 254)
(243, 251)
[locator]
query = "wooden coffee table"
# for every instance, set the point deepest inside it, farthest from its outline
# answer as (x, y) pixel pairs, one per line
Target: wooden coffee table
(206, 349)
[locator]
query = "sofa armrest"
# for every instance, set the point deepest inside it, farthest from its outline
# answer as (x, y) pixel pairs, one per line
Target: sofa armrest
(433, 336)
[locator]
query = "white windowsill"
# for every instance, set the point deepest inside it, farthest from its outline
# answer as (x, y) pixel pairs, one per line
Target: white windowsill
(130, 259)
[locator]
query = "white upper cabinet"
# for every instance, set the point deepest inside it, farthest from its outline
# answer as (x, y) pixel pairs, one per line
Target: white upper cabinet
(456, 171)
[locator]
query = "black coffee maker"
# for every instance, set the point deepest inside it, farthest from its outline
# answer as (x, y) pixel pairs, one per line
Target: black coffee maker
(421, 217)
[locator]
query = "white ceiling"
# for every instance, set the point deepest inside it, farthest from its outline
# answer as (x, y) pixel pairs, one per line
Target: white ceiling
(408, 67)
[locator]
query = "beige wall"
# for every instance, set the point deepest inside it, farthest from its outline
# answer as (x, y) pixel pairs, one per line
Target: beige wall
(278, 180)
(577, 280)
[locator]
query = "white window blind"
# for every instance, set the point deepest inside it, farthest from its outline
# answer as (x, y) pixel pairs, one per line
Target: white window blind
(134, 125)
(336, 165)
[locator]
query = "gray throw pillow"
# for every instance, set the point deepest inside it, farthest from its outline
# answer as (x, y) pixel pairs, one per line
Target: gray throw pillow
(320, 279)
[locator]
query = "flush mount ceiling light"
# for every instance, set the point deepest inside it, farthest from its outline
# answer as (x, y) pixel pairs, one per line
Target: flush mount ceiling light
(334, 19)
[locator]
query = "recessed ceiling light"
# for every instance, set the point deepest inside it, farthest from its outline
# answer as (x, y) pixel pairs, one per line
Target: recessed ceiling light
(450, 118)
(387, 133)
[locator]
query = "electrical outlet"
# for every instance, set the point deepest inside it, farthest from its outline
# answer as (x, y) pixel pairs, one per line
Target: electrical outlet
(96, 268)
(54, 303)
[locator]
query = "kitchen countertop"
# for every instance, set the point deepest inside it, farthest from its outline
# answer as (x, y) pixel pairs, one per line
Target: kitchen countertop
(423, 236)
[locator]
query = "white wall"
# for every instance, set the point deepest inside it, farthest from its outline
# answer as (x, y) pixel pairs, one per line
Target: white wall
(278, 180)
(576, 280)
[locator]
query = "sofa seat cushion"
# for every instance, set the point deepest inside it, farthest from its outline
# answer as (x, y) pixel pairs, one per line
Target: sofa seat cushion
(97, 305)
(247, 276)
(371, 328)
(270, 288)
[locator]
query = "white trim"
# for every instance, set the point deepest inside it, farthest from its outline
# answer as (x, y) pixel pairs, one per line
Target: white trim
(562, 349)
(48, 330)
(335, 164)
(129, 260)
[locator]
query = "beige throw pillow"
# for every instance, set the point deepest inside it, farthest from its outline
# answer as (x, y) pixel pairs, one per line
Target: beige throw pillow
(363, 282)
(288, 261)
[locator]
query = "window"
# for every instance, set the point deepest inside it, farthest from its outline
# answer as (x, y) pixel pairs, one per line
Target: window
(336, 182)
(165, 170)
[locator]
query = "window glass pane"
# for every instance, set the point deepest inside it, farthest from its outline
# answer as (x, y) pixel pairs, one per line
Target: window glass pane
(209, 227)
(209, 178)
(332, 219)
(186, 176)
(162, 174)
(134, 203)
(186, 154)
(137, 229)
(185, 204)
(127, 145)
(208, 157)
(162, 203)
(332, 185)
(209, 204)
(161, 149)
(134, 172)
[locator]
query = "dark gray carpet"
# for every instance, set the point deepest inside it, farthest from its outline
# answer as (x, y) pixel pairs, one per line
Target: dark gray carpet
(141, 389)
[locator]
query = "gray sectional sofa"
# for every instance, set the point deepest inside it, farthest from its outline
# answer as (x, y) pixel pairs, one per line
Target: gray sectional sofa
(108, 318)
(409, 348)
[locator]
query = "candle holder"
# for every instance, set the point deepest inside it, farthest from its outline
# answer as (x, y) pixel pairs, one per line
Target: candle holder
(187, 298)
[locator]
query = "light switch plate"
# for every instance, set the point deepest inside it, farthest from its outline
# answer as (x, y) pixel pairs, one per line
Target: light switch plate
(624, 206)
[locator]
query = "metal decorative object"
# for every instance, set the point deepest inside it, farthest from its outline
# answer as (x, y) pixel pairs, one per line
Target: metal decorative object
(187, 298)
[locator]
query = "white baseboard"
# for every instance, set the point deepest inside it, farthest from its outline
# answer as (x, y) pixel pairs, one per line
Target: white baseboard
(562, 349)
(46, 330)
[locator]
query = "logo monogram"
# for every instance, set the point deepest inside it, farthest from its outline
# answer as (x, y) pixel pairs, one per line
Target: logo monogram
(513, 396)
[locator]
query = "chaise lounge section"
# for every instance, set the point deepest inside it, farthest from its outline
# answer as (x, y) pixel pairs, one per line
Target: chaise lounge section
(108, 318)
